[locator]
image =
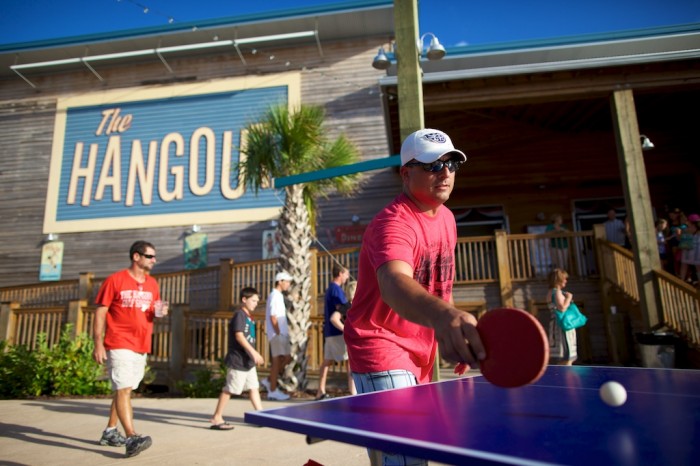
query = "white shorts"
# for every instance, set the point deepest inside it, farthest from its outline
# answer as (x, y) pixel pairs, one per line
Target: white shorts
(334, 349)
(279, 346)
(238, 381)
(126, 368)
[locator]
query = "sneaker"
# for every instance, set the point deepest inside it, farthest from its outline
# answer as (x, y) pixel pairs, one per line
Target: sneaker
(266, 383)
(322, 396)
(277, 395)
(136, 444)
(112, 438)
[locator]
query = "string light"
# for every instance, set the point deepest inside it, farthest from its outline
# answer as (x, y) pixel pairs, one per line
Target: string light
(146, 10)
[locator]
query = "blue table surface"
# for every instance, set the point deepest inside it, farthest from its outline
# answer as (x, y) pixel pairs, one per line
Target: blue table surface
(560, 419)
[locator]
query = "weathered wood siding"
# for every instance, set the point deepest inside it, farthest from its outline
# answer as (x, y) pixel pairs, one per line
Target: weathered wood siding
(341, 80)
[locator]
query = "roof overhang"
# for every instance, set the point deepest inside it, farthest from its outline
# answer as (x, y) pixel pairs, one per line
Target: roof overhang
(652, 46)
(311, 25)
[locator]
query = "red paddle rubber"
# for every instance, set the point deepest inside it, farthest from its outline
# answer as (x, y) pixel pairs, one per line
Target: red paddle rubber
(517, 350)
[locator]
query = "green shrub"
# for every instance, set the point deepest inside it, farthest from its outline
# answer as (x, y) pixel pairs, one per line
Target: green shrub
(207, 382)
(18, 374)
(66, 368)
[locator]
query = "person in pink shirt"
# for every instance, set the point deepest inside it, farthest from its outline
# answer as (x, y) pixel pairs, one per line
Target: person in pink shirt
(403, 307)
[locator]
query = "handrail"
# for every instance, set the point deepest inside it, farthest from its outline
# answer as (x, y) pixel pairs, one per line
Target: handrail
(680, 304)
(198, 293)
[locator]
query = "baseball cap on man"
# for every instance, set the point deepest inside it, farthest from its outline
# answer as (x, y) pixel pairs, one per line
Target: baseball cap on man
(283, 276)
(427, 145)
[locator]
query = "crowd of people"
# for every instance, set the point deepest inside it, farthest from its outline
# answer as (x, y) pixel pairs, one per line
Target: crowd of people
(678, 239)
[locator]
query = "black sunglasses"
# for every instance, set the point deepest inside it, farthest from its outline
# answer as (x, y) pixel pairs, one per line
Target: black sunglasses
(437, 166)
(148, 256)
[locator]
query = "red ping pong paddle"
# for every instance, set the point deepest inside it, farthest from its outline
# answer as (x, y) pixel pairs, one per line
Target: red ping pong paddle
(517, 350)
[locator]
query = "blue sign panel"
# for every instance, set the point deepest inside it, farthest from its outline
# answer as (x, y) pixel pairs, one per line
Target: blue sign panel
(158, 158)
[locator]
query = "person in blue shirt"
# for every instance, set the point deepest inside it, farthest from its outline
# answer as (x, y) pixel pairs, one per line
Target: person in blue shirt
(334, 349)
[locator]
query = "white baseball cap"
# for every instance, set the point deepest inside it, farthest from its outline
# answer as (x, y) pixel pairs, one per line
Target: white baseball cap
(283, 276)
(427, 145)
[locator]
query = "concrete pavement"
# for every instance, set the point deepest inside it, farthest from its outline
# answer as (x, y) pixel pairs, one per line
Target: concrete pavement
(66, 432)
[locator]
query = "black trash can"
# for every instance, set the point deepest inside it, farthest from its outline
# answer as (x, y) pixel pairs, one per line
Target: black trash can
(657, 349)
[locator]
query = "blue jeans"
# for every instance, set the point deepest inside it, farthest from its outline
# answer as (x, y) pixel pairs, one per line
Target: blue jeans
(377, 381)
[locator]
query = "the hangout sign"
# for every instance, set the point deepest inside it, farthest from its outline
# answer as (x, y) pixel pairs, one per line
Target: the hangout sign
(144, 157)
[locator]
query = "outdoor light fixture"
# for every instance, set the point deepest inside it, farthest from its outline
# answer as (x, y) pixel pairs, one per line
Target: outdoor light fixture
(646, 143)
(381, 61)
(435, 51)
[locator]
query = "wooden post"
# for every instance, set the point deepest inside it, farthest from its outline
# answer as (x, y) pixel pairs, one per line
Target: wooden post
(85, 286)
(225, 284)
(504, 280)
(75, 316)
(638, 200)
(408, 72)
(8, 321)
(177, 342)
(598, 236)
(314, 292)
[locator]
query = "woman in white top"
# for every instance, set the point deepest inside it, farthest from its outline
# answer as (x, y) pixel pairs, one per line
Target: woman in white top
(562, 344)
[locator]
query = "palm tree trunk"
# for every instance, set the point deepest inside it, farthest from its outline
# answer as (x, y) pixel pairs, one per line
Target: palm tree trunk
(295, 258)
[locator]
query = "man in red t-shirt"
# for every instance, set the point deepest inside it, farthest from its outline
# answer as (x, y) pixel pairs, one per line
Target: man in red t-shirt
(403, 306)
(122, 332)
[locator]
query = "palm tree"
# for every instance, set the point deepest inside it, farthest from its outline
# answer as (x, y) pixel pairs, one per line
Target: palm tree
(288, 142)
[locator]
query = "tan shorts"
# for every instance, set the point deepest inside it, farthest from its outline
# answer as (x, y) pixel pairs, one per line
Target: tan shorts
(238, 381)
(279, 346)
(126, 368)
(334, 349)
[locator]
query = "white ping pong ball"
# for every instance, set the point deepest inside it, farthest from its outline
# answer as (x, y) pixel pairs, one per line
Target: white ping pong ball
(613, 394)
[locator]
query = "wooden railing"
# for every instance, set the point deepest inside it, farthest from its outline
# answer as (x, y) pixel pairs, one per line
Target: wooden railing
(617, 268)
(533, 256)
(679, 302)
(201, 300)
(528, 257)
(475, 260)
(30, 322)
(680, 305)
(42, 294)
(206, 339)
(195, 335)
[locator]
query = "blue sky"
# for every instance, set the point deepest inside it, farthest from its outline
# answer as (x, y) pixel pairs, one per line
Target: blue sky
(455, 22)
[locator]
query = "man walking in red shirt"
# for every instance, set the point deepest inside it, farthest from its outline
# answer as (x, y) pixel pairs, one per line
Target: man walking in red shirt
(122, 332)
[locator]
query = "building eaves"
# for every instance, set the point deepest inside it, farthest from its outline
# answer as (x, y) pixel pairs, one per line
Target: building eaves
(566, 53)
(185, 28)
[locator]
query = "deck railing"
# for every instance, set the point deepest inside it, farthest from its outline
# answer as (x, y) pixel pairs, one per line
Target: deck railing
(195, 334)
(218, 287)
(679, 302)
(42, 294)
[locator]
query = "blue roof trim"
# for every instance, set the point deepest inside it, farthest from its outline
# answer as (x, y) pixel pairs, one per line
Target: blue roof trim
(200, 24)
(573, 40)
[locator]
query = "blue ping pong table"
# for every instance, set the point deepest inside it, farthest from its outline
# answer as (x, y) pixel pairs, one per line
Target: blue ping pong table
(560, 419)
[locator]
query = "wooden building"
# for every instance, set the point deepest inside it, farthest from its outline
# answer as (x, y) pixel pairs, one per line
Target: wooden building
(539, 121)
(322, 55)
(534, 118)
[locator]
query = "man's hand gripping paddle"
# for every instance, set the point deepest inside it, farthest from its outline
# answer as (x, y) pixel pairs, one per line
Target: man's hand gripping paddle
(517, 350)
